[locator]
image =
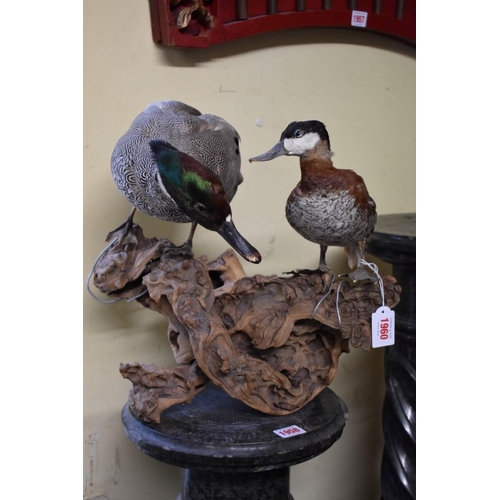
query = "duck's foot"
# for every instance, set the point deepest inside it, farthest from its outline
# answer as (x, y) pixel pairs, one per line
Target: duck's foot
(361, 274)
(304, 272)
(124, 229)
(185, 249)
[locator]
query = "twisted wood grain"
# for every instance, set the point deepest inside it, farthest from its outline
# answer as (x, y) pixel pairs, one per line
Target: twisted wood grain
(252, 336)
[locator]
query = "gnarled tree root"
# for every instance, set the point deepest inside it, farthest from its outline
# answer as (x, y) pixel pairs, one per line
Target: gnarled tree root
(252, 336)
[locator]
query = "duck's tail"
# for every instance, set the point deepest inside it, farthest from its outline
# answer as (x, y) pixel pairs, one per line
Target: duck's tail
(355, 253)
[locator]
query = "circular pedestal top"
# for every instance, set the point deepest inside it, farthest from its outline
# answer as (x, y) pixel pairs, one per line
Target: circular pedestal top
(215, 432)
(394, 238)
(402, 225)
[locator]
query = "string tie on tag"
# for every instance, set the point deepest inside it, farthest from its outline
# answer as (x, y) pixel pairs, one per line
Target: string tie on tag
(323, 298)
(92, 271)
(374, 268)
(337, 303)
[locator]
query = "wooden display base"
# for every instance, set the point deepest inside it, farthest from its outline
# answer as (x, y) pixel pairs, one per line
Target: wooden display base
(271, 342)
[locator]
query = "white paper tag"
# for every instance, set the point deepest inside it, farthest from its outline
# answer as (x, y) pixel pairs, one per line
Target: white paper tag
(359, 18)
(286, 432)
(382, 327)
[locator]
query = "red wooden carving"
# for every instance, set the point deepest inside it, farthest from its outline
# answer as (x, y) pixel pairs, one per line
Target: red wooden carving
(201, 23)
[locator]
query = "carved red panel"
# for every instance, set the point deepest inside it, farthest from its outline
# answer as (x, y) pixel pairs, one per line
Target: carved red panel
(201, 23)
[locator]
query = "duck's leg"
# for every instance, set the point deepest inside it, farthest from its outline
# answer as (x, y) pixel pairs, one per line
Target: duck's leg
(355, 258)
(322, 269)
(125, 227)
(322, 259)
(187, 247)
(189, 241)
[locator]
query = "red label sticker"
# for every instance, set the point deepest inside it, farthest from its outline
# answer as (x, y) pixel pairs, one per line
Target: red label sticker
(287, 432)
(359, 18)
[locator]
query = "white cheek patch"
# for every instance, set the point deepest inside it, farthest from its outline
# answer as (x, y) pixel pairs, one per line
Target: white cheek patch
(302, 144)
(228, 218)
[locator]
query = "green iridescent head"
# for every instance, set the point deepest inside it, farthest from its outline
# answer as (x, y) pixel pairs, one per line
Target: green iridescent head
(198, 192)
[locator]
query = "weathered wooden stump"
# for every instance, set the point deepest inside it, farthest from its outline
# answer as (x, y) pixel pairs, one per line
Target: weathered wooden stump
(263, 339)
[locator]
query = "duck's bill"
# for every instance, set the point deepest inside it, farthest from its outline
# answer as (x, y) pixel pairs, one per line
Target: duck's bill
(229, 232)
(278, 150)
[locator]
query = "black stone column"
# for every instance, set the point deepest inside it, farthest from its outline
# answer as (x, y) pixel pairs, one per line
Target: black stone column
(230, 451)
(394, 241)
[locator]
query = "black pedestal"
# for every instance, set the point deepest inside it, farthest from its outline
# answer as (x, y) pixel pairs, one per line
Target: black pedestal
(394, 241)
(230, 451)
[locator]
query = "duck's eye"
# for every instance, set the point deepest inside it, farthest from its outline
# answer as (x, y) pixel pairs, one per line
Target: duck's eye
(200, 207)
(298, 133)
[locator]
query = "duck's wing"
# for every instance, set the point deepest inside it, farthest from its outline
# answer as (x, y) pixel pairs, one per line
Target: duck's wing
(208, 138)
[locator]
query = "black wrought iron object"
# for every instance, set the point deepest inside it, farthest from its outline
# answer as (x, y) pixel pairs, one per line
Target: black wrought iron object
(394, 241)
(229, 451)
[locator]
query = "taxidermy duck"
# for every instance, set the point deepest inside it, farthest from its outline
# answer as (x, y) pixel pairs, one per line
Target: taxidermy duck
(329, 206)
(181, 166)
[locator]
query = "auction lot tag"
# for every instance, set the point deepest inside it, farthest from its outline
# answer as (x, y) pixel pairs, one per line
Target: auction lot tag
(359, 18)
(286, 432)
(382, 327)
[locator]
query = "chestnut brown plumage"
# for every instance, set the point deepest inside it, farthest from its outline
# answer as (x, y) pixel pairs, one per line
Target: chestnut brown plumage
(329, 206)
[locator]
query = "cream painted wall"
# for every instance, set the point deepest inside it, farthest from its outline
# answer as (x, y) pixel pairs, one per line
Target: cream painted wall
(362, 86)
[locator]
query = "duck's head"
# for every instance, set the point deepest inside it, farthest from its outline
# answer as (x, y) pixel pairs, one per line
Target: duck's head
(299, 139)
(198, 192)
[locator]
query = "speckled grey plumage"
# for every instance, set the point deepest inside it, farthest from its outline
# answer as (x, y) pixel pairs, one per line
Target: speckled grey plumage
(341, 223)
(207, 138)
